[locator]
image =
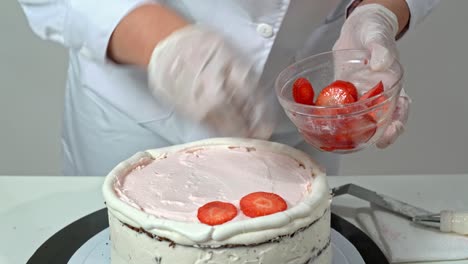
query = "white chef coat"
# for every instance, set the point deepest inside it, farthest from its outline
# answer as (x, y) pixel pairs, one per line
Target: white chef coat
(109, 112)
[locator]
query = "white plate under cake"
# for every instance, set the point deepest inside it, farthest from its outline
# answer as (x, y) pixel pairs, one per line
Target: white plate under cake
(154, 200)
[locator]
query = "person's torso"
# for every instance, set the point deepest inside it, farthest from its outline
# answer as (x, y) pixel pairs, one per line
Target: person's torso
(269, 32)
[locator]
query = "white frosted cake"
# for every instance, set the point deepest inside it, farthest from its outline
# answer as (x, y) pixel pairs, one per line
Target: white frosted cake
(159, 205)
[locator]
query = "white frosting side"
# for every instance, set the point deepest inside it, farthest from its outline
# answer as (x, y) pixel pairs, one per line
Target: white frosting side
(246, 231)
(174, 187)
(129, 246)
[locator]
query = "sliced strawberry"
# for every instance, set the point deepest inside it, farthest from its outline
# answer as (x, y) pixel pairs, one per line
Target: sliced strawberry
(379, 111)
(262, 203)
(337, 93)
(346, 133)
(360, 129)
(346, 86)
(345, 147)
(342, 132)
(376, 90)
(338, 142)
(378, 100)
(216, 213)
(329, 142)
(303, 93)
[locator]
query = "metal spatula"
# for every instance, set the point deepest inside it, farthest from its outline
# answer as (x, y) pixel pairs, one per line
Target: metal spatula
(445, 221)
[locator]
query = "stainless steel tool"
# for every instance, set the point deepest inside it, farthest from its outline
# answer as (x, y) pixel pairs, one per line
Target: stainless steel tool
(445, 221)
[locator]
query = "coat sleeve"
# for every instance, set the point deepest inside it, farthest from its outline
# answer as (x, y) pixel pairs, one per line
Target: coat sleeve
(83, 25)
(419, 9)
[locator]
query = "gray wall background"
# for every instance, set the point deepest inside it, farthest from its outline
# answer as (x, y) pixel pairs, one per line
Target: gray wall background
(32, 77)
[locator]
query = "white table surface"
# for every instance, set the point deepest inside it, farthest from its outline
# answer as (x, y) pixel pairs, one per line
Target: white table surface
(34, 208)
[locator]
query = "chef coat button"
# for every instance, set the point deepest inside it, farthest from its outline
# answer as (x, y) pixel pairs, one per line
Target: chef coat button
(85, 52)
(265, 30)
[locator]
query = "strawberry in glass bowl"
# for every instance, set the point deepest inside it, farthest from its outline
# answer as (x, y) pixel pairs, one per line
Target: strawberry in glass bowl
(337, 102)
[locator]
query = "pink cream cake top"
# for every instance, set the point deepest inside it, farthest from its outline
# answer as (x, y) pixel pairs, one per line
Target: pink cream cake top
(174, 187)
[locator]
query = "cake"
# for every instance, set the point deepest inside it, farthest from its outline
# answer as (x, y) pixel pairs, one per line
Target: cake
(154, 198)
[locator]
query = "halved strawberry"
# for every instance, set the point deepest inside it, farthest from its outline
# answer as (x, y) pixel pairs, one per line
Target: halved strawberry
(303, 93)
(262, 203)
(376, 90)
(216, 213)
(337, 93)
(347, 86)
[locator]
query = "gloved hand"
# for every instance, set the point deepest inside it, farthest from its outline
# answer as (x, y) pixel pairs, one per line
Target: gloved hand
(208, 81)
(374, 27)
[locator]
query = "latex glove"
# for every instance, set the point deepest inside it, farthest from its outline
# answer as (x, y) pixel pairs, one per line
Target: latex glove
(374, 27)
(208, 81)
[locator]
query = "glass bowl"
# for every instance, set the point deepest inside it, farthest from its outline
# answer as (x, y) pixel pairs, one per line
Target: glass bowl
(345, 128)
